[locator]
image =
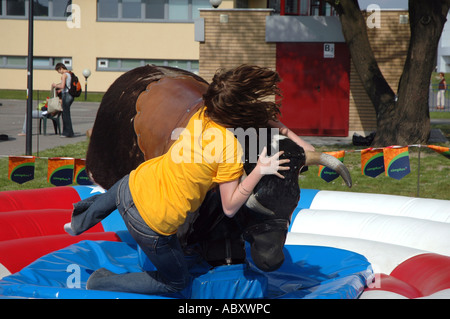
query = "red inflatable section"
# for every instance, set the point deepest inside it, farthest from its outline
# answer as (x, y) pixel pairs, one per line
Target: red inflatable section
(429, 273)
(392, 284)
(32, 225)
(419, 276)
(39, 222)
(18, 253)
(54, 197)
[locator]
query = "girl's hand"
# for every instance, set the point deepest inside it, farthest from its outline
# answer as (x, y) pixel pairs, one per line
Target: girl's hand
(271, 165)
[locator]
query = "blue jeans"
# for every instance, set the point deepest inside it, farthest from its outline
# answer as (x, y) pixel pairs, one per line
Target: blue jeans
(67, 101)
(164, 252)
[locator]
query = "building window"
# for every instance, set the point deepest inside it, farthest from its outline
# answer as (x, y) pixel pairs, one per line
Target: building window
(154, 9)
(150, 10)
(108, 64)
(14, 8)
(43, 9)
(131, 9)
(42, 63)
(300, 7)
(108, 8)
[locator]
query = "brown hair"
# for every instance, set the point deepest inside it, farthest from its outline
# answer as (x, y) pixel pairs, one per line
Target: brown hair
(238, 97)
(60, 66)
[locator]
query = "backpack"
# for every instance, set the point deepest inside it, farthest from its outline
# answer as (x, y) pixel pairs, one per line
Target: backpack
(75, 85)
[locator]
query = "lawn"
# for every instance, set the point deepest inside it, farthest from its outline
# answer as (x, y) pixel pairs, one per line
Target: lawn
(41, 95)
(77, 150)
(432, 181)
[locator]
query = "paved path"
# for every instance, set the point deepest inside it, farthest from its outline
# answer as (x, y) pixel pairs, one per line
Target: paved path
(12, 116)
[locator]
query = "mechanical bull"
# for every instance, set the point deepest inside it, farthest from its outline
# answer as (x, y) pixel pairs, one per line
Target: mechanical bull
(136, 121)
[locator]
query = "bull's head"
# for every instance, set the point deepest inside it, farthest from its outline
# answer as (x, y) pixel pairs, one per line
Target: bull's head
(268, 211)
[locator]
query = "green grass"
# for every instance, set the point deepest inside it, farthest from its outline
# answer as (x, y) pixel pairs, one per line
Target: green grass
(77, 150)
(434, 170)
(434, 181)
(41, 95)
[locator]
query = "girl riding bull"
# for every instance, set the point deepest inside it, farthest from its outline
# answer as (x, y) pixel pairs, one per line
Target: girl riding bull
(155, 198)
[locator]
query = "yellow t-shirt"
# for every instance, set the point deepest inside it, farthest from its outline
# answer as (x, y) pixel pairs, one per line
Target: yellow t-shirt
(168, 187)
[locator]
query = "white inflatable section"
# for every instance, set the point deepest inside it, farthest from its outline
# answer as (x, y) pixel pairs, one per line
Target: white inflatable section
(381, 294)
(443, 294)
(383, 257)
(422, 208)
(386, 229)
(4, 271)
(404, 231)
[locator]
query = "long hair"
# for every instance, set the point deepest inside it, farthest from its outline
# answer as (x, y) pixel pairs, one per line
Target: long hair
(113, 149)
(246, 96)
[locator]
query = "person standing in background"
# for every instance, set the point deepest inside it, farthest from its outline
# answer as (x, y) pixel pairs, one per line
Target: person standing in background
(441, 92)
(66, 98)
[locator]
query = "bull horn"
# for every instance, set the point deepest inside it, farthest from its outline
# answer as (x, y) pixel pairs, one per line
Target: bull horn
(317, 158)
(253, 204)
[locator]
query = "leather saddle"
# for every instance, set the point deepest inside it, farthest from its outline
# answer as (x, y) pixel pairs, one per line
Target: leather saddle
(165, 105)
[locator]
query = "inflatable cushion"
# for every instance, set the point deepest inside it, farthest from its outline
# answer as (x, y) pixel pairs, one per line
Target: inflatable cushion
(308, 272)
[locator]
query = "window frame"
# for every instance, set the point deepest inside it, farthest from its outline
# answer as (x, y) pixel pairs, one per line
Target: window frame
(50, 16)
(143, 17)
(143, 62)
(51, 62)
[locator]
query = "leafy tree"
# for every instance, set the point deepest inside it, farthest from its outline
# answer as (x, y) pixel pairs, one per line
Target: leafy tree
(403, 118)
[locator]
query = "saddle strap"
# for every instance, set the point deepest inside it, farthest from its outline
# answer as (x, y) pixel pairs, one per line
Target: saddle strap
(265, 226)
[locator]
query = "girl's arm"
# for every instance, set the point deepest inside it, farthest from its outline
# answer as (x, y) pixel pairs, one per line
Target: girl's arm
(235, 194)
(287, 132)
(61, 84)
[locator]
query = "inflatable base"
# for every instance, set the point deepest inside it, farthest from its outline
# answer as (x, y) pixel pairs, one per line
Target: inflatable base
(309, 272)
(339, 245)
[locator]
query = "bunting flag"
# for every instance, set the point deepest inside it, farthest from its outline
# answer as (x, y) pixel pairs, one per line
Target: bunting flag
(21, 168)
(60, 171)
(80, 176)
(396, 162)
(327, 174)
(441, 150)
(372, 162)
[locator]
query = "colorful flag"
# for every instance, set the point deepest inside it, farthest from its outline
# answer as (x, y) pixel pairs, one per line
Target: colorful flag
(396, 162)
(441, 150)
(327, 174)
(372, 162)
(80, 175)
(60, 171)
(21, 168)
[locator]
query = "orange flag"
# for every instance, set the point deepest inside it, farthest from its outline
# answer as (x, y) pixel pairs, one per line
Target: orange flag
(372, 162)
(60, 171)
(80, 176)
(441, 150)
(21, 168)
(396, 162)
(327, 174)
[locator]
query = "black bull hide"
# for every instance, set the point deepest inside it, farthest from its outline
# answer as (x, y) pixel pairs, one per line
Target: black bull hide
(263, 221)
(115, 149)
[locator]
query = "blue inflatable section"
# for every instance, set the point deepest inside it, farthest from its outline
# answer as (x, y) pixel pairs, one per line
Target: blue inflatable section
(308, 272)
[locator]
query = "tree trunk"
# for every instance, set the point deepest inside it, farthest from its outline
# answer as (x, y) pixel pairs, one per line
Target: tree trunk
(411, 119)
(403, 120)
